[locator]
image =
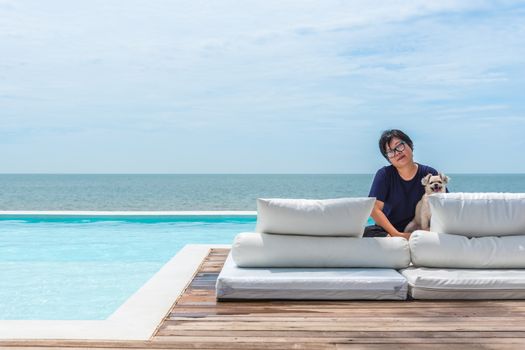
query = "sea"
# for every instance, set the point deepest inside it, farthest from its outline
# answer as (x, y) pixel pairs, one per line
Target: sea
(167, 192)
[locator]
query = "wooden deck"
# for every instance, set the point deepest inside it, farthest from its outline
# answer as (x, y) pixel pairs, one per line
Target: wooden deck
(197, 321)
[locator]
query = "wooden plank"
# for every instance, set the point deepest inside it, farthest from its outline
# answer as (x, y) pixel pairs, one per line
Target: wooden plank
(363, 321)
(199, 346)
(298, 304)
(339, 340)
(427, 346)
(463, 312)
(393, 325)
(161, 344)
(349, 334)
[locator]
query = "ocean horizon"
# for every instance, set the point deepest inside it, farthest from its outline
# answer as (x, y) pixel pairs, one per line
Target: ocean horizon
(202, 191)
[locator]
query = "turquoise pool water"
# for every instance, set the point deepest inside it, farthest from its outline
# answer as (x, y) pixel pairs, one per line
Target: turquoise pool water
(79, 268)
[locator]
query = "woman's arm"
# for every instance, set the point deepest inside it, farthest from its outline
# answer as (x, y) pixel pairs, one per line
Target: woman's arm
(381, 220)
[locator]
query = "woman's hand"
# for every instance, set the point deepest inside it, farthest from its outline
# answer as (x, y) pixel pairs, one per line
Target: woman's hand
(381, 220)
(405, 235)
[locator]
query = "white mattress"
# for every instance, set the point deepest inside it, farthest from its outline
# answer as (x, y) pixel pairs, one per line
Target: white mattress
(436, 283)
(268, 250)
(443, 250)
(309, 283)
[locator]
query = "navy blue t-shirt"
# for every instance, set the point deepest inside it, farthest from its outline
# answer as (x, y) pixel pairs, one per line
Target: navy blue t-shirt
(400, 196)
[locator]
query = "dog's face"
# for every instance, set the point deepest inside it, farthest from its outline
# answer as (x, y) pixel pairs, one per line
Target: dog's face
(435, 183)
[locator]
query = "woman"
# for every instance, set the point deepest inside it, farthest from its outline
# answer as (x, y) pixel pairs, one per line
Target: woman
(397, 187)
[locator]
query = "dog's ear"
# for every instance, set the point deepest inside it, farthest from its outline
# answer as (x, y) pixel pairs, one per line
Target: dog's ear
(426, 179)
(444, 178)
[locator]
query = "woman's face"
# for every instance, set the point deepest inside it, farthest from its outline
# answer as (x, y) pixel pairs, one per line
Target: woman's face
(402, 153)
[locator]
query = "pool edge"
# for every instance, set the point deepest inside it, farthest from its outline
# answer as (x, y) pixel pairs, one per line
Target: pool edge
(121, 213)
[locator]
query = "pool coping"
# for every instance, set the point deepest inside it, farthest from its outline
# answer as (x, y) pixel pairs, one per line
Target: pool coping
(136, 319)
(127, 213)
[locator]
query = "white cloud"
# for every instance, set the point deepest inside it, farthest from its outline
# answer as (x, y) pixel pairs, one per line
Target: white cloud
(341, 69)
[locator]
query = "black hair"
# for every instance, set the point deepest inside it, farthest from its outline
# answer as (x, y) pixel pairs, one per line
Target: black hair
(388, 135)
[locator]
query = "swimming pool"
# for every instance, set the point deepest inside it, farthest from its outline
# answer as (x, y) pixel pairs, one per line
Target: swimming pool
(84, 266)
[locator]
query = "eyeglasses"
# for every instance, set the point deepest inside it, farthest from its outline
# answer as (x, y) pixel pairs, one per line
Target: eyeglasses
(398, 149)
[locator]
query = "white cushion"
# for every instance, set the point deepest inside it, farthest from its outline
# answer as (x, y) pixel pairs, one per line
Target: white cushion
(432, 283)
(478, 214)
(434, 249)
(309, 283)
(251, 249)
(328, 217)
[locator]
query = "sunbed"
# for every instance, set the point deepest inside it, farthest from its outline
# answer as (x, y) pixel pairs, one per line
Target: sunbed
(475, 250)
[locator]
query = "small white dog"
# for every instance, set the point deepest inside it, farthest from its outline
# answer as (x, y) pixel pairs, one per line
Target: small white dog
(433, 184)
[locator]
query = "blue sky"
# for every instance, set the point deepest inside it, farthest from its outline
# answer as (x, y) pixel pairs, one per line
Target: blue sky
(123, 86)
